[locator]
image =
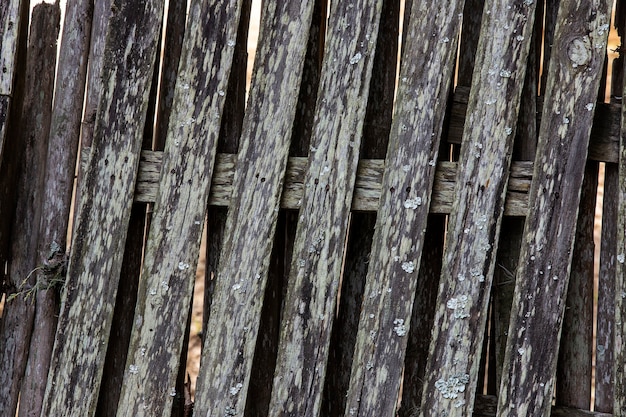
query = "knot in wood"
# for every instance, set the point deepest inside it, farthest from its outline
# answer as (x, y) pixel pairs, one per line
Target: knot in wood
(579, 51)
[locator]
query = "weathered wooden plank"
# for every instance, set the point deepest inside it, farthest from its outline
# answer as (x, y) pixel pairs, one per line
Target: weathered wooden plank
(9, 28)
(176, 229)
(574, 363)
(16, 324)
(59, 181)
(606, 294)
(378, 117)
(367, 191)
(235, 311)
(469, 260)
(320, 240)
(485, 406)
(104, 211)
(405, 199)
(604, 141)
(619, 353)
(542, 278)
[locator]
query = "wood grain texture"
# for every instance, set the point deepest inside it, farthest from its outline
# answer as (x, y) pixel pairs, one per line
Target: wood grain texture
(368, 183)
(321, 235)
(10, 28)
(173, 245)
(574, 364)
(16, 324)
(405, 200)
(542, 278)
(451, 374)
(619, 353)
(104, 211)
(235, 311)
(58, 186)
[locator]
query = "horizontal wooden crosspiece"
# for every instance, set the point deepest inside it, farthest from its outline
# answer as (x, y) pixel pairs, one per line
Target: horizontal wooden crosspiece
(366, 193)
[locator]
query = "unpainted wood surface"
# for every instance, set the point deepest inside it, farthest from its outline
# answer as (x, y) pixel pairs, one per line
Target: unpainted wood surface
(16, 324)
(233, 323)
(425, 77)
(542, 278)
(321, 235)
(173, 245)
(58, 185)
(619, 350)
(100, 233)
(451, 374)
(9, 27)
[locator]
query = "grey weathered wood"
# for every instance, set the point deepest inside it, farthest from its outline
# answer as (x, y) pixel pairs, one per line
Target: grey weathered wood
(542, 278)
(235, 310)
(9, 29)
(93, 90)
(574, 364)
(320, 240)
(406, 196)
(378, 117)
(367, 191)
(16, 324)
(176, 229)
(58, 185)
(619, 352)
(469, 259)
(485, 406)
(104, 211)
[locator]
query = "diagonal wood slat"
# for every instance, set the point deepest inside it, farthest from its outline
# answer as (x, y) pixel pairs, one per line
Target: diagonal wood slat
(234, 318)
(174, 240)
(451, 374)
(326, 201)
(405, 199)
(100, 233)
(543, 273)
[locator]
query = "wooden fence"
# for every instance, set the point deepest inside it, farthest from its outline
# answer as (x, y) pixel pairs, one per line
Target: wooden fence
(419, 244)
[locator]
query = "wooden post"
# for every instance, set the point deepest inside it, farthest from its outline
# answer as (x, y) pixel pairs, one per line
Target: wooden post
(405, 200)
(235, 310)
(469, 260)
(104, 211)
(543, 274)
(16, 325)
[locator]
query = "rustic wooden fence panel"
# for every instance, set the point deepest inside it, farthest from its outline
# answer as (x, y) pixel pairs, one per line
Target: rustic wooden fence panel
(379, 242)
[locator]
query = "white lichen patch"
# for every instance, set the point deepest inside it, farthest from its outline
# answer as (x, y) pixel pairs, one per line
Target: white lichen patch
(183, 266)
(589, 106)
(408, 267)
(621, 258)
(508, 131)
(235, 390)
(413, 203)
(505, 73)
(459, 305)
(133, 369)
(399, 327)
(453, 386)
(355, 58)
(172, 392)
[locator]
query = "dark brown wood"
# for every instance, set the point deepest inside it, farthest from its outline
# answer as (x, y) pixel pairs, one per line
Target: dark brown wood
(16, 325)
(573, 388)
(244, 261)
(104, 210)
(543, 275)
(58, 186)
